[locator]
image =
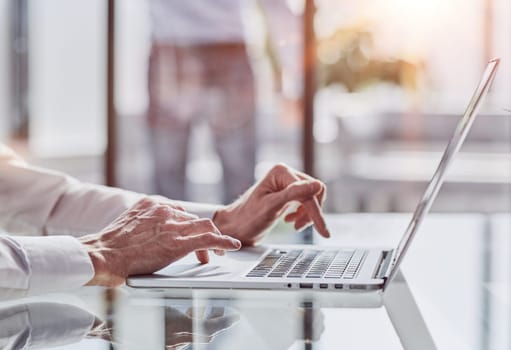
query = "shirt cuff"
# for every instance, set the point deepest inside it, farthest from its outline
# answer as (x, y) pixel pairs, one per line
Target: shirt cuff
(56, 263)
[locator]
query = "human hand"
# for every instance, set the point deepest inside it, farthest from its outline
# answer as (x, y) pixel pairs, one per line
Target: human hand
(148, 237)
(257, 210)
(191, 327)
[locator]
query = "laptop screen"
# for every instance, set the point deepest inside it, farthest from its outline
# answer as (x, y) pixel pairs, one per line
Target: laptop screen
(453, 147)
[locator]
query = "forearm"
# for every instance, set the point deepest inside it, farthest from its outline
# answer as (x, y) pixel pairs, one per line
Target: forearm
(37, 201)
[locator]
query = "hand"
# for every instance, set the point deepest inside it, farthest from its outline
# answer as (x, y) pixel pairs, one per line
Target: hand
(148, 237)
(190, 327)
(256, 211)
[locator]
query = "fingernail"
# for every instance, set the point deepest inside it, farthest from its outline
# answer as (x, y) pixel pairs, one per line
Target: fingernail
(236, 243)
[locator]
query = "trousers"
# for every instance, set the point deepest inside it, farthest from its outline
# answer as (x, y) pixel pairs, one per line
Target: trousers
(190, 84)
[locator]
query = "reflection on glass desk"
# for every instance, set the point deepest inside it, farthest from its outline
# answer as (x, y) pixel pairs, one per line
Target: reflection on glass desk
(454, 293)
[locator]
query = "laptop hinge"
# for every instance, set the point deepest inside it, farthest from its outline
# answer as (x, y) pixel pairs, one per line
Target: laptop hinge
(385, 261)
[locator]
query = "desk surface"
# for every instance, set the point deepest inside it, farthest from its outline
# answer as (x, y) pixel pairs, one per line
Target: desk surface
(458, 272)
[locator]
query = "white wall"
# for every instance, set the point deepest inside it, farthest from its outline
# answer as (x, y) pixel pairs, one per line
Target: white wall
(132, 52)
(67, 76)
(4, 69)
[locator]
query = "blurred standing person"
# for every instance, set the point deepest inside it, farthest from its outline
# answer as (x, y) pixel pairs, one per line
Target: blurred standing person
(199, 70)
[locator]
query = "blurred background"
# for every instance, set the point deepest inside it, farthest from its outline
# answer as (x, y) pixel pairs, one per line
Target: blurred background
(202, 98)
(197, 99)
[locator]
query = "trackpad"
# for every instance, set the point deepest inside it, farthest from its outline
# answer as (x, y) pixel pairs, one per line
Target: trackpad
(232, 263)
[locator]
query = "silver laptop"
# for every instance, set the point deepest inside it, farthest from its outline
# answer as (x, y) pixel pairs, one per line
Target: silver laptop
(316, 267)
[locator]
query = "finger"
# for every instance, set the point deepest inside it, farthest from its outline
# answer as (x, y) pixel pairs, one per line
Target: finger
(300, 191)
(291, 217)
(216, 311)
(298, 213)
(139, 207)
(304, 191)
(144, 203)
(196, 312)
(167, 212)
(219, 252)
(217, 324)
(178, 339)
(160, 212)
(316, 215)
(321, 195)
(183, 216)
(189, 312)
(302, 222)
(165, 201)
(310, 210)
(175, 340)
(206, 225)
(190, 227)
(202, 226)
(202, 256)
(211, 240)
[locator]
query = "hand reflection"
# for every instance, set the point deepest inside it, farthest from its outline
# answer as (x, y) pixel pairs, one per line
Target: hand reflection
(195, 325)
(259, 326)
(42, 325)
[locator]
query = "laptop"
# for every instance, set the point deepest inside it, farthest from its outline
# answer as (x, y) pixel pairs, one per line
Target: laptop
(332, 269)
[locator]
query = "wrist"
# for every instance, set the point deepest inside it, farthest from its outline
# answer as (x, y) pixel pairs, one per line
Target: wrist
(231, 222)
(221, 219)
(101, 263)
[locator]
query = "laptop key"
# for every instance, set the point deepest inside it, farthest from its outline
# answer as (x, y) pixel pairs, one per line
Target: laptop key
(303, 264)
(338, 266)
(354, 264)
(283, 267)
(321, 264)
(266, 265)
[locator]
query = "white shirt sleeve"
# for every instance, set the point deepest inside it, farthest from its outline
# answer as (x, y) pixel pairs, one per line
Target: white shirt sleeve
(40, 202)
(33, 265)
(43, 325)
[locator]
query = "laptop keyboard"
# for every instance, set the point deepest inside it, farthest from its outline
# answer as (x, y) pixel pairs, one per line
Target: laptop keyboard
(310, 264)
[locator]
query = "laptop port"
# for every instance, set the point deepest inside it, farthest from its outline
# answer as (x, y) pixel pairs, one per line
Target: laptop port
(338, 286)
(306, 285)
(357, 287)
(323, 285)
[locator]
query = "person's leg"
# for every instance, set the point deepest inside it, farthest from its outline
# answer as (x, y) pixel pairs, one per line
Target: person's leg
(237, 151)
(170, 149)
(233, 120)
(169, 128)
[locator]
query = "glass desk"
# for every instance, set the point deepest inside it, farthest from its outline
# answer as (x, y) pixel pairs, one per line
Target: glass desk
(454, 292)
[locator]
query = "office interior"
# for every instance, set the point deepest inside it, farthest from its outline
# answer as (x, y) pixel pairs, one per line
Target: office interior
(362, 95)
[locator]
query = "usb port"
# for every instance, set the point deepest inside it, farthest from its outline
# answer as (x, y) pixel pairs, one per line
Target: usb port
(323, 285)
(354, 286)
(338, 286)
(306, 285)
